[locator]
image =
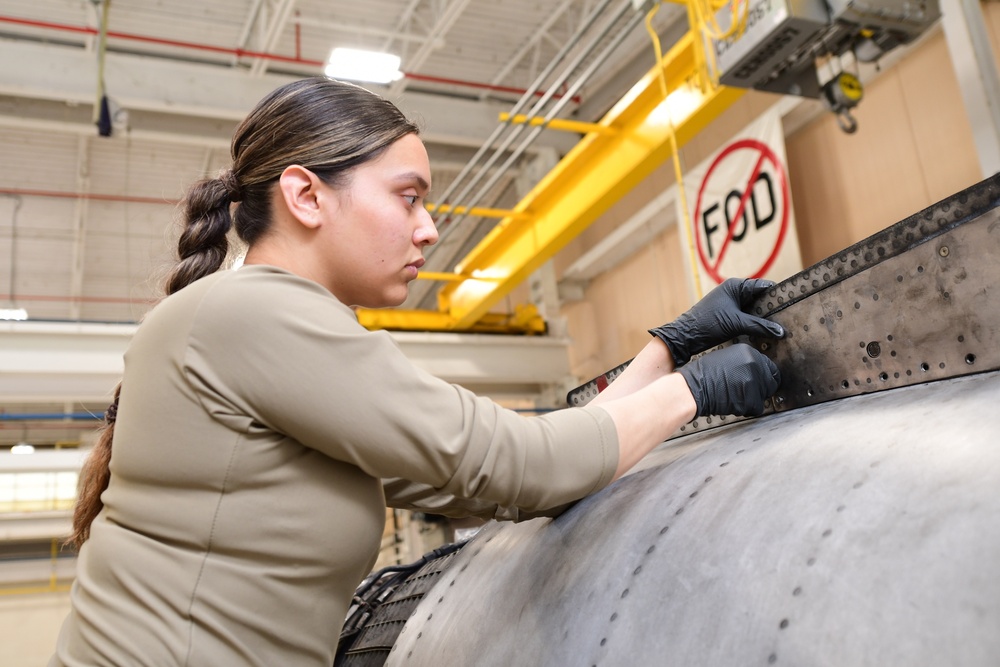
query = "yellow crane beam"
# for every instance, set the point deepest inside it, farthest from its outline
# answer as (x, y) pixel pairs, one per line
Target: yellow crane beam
(598, 172)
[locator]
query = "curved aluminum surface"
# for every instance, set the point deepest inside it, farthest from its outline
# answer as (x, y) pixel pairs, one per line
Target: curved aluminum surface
(865, 531)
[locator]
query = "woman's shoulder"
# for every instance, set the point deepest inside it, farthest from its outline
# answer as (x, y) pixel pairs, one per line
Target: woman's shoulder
(251, 297)
(260, 285)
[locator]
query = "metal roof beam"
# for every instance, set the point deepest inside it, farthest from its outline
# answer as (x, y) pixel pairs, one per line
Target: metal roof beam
(52, 362)
(197, 91)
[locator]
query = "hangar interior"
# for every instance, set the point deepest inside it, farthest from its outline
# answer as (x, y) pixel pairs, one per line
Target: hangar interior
(109, 110)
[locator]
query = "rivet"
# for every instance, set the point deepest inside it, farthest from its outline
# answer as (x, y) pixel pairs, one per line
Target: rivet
(614, 617)
(811, 562)
(827, 532)
(943, 251)
(798, 591)
(771, 659)
(783, 624)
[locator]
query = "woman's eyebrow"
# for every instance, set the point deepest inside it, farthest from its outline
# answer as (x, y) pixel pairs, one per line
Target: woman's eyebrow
(414, 176)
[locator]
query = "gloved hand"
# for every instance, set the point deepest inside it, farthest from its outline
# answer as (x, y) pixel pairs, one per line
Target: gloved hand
(732, 381)
(717, 318)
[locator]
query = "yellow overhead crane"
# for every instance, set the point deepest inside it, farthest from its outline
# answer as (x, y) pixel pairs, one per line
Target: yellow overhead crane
(617, 153)
(777, 46)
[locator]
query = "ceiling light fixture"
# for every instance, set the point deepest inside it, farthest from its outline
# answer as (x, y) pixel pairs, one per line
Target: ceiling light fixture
(22, 448)
(359, 65)
(13, 314)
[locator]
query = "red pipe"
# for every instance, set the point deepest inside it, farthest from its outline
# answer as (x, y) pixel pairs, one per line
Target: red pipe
(87, 195)
(241, 53)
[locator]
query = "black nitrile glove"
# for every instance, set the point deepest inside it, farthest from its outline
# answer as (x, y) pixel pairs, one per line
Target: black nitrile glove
(717, 318)
(732, 381)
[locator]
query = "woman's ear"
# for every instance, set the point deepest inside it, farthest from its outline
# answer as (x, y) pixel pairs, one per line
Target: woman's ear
(300, 191)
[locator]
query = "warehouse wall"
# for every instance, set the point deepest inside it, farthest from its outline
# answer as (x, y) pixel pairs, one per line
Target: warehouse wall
(914, 146)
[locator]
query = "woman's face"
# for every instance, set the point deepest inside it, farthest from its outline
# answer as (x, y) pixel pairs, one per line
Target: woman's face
(378, 227)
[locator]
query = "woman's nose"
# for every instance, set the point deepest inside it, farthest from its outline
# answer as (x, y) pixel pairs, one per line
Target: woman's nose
(426, 232)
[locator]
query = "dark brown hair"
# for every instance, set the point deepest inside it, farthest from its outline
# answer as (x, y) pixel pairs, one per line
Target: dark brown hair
(326, 126)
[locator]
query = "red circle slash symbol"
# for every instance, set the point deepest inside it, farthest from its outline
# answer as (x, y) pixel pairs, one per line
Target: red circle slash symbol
(764, 156)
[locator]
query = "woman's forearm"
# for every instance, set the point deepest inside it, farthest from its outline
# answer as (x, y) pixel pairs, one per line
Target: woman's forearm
(646, 417)
(652, 363)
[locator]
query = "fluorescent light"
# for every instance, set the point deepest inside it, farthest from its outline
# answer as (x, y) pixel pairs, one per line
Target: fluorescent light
(359, 65)
(13, 314)
(22, 448)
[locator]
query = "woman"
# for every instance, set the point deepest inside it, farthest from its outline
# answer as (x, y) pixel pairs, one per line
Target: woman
(257, 420)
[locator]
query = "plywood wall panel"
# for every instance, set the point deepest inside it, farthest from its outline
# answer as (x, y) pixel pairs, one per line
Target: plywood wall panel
(946, 150)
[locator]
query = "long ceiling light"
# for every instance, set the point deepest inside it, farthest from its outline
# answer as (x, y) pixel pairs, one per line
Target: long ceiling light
(359, 65)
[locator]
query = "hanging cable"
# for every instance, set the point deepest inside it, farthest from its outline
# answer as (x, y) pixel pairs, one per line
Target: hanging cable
(675, 152)
(12, 289)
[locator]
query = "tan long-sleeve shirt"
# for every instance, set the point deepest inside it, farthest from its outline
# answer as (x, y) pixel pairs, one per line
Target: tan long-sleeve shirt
(257, 419)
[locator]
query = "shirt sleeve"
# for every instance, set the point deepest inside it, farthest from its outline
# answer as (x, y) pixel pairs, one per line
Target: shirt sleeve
(273, 351)
(408, 495)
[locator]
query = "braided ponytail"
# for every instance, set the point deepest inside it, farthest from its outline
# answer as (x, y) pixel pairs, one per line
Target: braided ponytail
(203, 246)
(94, 478)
